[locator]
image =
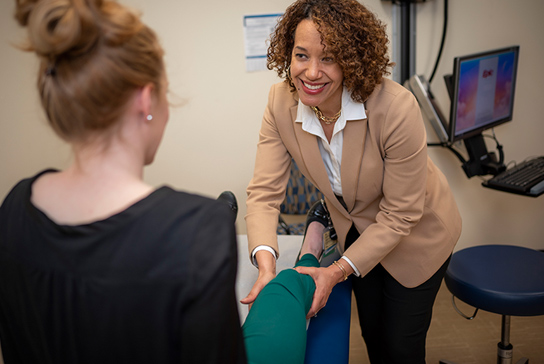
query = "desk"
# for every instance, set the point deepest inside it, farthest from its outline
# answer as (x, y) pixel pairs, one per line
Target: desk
(247, 273)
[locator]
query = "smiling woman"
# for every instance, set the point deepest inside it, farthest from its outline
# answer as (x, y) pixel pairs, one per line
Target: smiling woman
(316, 75)
(360, 139)
(351, 35)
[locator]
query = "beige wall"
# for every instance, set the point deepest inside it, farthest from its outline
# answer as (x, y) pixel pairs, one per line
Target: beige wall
(210, 142)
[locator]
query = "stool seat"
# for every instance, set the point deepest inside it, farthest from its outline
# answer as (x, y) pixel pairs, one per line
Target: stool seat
(503, 279)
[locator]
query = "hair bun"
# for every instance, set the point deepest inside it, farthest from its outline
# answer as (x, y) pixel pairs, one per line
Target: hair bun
(94, 54)
(22, 10)
(59, 27)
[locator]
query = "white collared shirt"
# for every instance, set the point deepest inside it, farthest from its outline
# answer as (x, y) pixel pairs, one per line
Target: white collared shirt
(331, 153)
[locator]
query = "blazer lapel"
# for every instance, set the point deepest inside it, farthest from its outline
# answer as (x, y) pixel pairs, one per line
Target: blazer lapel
(311, 156)
(352, 155)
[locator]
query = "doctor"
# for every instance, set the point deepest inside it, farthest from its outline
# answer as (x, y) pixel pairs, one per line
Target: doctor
(360, 139)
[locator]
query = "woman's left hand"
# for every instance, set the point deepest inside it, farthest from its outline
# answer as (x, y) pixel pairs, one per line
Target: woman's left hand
(325, 279)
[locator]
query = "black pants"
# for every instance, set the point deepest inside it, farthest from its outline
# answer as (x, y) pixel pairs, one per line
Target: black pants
(394, 319)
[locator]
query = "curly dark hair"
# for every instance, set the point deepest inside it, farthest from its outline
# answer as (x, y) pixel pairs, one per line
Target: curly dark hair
(351, 33)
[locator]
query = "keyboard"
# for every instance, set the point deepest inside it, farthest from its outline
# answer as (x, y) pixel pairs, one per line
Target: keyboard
(526, 178)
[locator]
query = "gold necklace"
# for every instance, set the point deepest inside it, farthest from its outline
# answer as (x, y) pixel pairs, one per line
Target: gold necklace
(326, 119)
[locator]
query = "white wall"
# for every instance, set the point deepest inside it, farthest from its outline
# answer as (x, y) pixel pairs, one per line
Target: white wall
(210, 142)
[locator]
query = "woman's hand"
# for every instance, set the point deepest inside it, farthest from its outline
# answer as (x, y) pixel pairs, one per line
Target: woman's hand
(325, 279)
(261, 281)
(267, 272)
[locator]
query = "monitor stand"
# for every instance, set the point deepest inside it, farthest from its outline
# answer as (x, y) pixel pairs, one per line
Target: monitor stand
(481, 162)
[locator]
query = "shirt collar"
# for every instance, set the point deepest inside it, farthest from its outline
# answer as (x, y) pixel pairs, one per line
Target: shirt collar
(351, 110)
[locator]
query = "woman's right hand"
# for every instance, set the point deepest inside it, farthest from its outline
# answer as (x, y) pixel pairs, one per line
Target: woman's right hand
(267, 271)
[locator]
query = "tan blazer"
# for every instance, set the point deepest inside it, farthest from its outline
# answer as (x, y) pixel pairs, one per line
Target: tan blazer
(399, 201)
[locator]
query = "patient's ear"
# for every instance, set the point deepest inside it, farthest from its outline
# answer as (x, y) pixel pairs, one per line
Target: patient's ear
(144, 99)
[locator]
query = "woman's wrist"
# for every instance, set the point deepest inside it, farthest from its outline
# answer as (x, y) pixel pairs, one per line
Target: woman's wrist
(266, 262)
(343, 270)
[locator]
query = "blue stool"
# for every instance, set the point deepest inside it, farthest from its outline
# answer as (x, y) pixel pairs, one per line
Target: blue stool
(503, 279)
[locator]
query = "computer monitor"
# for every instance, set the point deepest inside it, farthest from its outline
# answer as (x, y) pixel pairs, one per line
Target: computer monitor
(482, 89)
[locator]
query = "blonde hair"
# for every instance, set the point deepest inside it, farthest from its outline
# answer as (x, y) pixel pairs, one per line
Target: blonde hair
(94, 54)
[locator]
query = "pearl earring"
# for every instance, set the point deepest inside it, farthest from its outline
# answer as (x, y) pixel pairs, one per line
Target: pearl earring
(149, 117)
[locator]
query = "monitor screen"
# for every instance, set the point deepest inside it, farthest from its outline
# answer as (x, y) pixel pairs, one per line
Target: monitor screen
(483, 91)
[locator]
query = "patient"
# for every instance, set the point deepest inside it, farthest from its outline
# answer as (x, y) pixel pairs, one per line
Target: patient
(96, 266)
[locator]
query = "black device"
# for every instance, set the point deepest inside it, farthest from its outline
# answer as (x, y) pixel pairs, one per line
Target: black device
(526, 178)
(482, 89)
